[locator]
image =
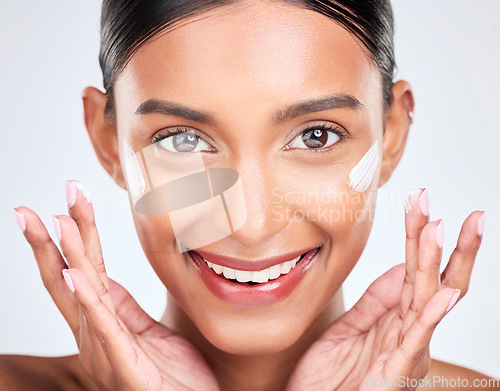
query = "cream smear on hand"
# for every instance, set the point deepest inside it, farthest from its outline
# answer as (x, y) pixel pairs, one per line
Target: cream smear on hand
(85, 191)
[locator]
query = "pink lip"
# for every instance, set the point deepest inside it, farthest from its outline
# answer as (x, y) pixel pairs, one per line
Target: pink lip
(253, 295)
(251, 265)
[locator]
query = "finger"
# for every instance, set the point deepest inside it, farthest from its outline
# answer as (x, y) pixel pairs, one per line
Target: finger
(416, 217)
(427, 276)
(74, 251)
(92, 355)
(115, 341)
(135, 318)
(82, 212)
(93, 358)
(50, 263)
(414, 343)
(459, 268)
(380, 297)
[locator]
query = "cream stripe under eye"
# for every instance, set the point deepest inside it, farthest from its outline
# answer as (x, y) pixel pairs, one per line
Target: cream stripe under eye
(362, 174)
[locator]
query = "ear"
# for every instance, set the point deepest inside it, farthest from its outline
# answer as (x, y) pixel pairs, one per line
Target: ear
(397, 125)
(102, 132)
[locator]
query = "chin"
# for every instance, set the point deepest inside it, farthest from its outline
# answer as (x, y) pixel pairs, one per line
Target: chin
(252, 337)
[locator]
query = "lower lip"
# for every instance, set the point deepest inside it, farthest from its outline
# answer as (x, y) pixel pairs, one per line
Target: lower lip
(253, 295)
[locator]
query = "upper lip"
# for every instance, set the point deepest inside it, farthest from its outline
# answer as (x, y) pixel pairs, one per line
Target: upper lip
(250, 265)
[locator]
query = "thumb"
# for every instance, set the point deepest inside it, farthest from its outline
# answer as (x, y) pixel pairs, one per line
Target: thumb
(380, 297)
(416, 340)
(130, 312)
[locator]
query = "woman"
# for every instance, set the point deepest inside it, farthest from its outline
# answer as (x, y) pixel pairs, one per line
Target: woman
(295, 104)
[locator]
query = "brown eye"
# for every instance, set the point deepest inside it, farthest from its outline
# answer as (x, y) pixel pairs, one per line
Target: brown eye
(315, 139)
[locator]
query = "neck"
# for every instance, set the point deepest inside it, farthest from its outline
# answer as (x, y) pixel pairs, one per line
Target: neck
(257, 372)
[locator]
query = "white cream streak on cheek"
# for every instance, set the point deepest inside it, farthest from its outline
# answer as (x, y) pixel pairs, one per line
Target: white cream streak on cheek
(361, 176)
(133, 174)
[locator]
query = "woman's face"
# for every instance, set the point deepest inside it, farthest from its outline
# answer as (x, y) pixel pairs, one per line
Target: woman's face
(244, 66)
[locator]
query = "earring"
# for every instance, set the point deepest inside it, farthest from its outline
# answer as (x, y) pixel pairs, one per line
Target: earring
(410, 115)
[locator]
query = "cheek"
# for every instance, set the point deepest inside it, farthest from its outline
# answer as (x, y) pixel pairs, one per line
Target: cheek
(337, 203)
(158, 241)
(201, 204)
(153, 225)
(341, 216)
(338, 198)
(159, 244)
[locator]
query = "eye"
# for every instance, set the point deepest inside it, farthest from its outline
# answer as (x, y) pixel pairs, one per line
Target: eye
(319, 137)
(182, 141)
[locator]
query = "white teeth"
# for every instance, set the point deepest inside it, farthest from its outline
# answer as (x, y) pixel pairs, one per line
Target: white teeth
(243, 276)
(229, 273)
(286, 267)
(217, 268)
(258, 276)
(274, 272)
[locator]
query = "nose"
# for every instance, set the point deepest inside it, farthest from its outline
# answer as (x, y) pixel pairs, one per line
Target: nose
(262, 223)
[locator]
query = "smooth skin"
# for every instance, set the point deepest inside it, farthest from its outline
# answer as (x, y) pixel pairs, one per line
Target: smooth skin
(288, 55)
(121, 347)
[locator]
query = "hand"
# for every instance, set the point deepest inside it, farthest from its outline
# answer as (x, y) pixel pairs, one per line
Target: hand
(386, 335)
(120, 346)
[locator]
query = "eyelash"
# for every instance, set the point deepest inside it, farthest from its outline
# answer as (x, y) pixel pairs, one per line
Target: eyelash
(178, 130)
(339, 131)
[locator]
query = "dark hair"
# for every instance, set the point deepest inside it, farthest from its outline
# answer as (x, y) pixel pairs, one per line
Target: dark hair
(126, 25)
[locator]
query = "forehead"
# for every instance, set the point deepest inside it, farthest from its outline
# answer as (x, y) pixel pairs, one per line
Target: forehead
(253, 53)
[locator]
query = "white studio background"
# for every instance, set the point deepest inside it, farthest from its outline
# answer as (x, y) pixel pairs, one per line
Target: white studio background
(447, 49)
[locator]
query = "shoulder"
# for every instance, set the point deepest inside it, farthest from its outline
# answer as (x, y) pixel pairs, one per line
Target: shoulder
(21, 372)
(444, 375)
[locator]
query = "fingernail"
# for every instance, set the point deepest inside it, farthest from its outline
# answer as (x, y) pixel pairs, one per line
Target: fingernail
(83, 189)
(453, 300)
(480, 225)
(70, 193)
(21, 221)
(57, 226)
(440, 234)
(423, 202)
(410, 199)
(69, 281)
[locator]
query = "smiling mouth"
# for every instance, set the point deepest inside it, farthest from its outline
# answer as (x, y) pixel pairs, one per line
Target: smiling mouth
(248, 277)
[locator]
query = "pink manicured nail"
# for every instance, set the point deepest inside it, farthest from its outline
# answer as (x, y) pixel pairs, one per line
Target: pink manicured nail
(410, 199)
(83, 189)
(423, 202)
(440, 234)
(21, 221)
(68, 280)
(480, 225)
(57, 226)
(70, 193)
(453, 300)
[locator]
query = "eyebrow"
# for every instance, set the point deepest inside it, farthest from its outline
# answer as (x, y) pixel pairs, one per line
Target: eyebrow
(338, 101)
(169, 108)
